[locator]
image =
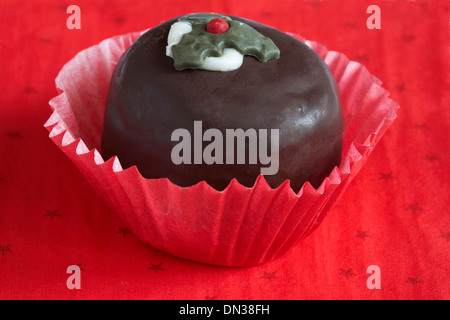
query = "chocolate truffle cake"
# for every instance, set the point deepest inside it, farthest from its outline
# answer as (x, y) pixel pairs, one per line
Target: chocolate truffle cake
(213, 98)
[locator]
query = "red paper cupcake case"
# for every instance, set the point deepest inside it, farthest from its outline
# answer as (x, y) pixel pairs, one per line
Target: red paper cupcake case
(239, 226)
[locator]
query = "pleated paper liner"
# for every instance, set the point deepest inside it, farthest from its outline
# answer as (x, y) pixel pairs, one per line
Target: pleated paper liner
(239, 226)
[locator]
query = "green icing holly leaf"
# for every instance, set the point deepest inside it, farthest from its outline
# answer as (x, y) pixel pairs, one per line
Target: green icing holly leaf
(198, 44)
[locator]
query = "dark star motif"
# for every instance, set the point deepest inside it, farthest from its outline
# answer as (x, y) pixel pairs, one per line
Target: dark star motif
(445, 235)
(119, 20)
(414, 280)
(431, 157)
(210, 298)
(45, 40)
(422, 4)
(351, 25)
(421, 126)
(314, 3)
(409, 37)
(28, 90)
(156, 267)
(361, 57)
(269, 275)
(14, 135)
(52, 213)
(266, 13)
(79, 266)
(363, 234)
(347, 272)
(386, 176)
(4, 249)
(400, 87)
(123, 231)
(414, 207)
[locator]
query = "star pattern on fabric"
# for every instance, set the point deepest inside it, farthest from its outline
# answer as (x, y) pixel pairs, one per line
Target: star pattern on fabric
(422, 4)
(45, 40)
(269, 275)
(409, 37)
(351, 25)
(414, 280)
(119, 20)
(414, 207)
(14, 135)
(347, 272)
(421, 126)
(52, 213)
(445, 235)
(28, 90)
(5, 249)
(79, 266)
(431, 157)
(61, 7)
(266, 13)
(156, 267)
(361, 58)
(123, 231)
(314, 3)
(386, 176)
(363, 234)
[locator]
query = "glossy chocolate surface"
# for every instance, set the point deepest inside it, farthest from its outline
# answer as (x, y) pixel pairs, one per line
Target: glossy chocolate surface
(148, 99)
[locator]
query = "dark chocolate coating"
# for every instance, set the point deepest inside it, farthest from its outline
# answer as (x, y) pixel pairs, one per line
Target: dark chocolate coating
(148, 99)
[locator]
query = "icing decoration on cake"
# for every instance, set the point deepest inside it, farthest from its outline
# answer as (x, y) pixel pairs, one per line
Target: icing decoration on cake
(216, 43)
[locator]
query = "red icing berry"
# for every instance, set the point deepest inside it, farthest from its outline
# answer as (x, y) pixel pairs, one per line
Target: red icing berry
(217, 25)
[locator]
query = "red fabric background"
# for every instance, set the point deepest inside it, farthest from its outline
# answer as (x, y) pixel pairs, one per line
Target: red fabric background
(394, 214)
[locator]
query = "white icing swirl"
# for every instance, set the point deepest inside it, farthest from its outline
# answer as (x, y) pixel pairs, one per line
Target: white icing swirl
(176, 32)
(231, 59)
